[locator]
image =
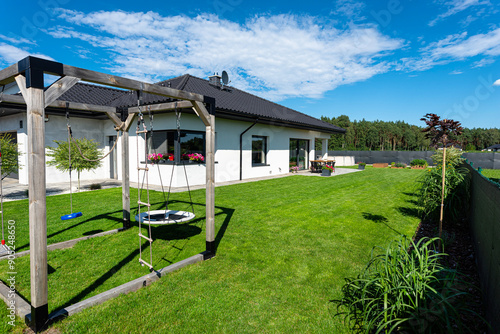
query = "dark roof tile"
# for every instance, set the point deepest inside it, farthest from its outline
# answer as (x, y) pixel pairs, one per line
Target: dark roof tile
(228, 100)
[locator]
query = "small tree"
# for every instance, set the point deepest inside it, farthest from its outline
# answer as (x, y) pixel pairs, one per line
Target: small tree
(60, 156)
(10, 156)
(441, 132)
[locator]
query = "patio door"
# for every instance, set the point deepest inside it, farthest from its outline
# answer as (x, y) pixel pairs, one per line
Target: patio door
(299, 153)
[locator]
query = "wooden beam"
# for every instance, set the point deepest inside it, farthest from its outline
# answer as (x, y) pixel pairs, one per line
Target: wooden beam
(21, 83)
(125, 288)
(64, 244)
(161, 107)
(59, 104)
(128, 122)
(201, 111)
(58, 88)
(115, 119)
(125, 176)
(21, 307)
(37, 207)
(210, 189)
(115, 81)
(7, 74)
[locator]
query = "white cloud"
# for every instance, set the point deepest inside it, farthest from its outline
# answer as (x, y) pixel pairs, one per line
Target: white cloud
(350, 9)
(457, 6)
(456, 48)
(274, 56)
(10, 54)
(455, 72)
(483, 62)
(16, 39)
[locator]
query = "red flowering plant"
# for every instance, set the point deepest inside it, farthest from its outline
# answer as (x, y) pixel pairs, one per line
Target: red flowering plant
(196, 157)
(330, 168)
(155, 157)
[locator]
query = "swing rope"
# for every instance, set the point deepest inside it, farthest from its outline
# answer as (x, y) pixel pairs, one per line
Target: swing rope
(70, 166)
(178, 124)
(78, 147)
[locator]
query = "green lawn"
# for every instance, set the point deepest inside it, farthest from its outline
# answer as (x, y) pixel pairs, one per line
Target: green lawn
(493, 174)
(284, 248)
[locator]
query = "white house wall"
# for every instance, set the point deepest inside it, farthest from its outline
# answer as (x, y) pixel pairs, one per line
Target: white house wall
(227, 155)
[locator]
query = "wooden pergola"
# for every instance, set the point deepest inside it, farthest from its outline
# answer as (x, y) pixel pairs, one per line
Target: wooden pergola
(29, 76)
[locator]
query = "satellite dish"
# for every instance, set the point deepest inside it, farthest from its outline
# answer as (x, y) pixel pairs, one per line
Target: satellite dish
(225, 78)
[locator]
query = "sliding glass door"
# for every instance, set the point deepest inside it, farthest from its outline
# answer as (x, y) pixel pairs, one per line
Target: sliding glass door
(299, 153)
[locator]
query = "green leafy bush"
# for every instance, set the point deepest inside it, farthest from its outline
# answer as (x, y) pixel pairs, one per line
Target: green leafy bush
(10, 155)
(362, 163)
(405, 289)
(400, 165)
(419, 162)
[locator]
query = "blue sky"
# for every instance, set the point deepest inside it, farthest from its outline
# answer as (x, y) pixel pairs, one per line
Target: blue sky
(386, 60)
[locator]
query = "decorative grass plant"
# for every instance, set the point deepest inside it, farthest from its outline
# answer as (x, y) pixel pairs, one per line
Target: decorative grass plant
(405, 289)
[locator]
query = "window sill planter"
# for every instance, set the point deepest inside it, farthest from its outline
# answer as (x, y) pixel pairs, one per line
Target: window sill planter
(326, 172)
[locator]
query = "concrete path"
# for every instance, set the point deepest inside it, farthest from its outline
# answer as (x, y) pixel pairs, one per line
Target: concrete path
(12, 190)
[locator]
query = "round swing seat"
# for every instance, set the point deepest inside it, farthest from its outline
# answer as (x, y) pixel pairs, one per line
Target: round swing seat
(71, 216)
(161, 217)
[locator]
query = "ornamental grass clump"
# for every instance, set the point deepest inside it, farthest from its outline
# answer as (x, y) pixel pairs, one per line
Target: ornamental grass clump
(456, 189)
(405, 289)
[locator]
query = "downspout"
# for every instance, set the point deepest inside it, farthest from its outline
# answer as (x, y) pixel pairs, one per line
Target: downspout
(241, 148)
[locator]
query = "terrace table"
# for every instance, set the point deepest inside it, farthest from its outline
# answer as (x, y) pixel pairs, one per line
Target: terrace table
(317, 165)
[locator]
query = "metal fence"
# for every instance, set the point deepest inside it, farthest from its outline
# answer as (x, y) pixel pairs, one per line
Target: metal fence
(489, 160)
(485, 226)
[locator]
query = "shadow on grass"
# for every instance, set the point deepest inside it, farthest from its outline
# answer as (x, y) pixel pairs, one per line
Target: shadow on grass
(179, 233)
(411, 212)
(98, 217)
(379, 219)
(98, 282)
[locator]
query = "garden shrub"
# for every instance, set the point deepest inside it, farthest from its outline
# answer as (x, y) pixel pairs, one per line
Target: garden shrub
(95, 186)
(400, 165)
(419, 162)
(406, 289)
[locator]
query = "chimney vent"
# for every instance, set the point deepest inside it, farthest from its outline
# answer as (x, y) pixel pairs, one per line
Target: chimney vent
(215, 80)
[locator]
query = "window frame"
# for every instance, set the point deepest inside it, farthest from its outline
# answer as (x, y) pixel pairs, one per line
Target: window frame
(264, 151)
(177, 145)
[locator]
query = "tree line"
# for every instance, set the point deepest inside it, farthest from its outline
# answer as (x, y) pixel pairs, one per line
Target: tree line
(399, 136)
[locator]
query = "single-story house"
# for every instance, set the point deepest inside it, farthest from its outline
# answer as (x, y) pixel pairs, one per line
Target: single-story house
(493, 148)
(254, 137)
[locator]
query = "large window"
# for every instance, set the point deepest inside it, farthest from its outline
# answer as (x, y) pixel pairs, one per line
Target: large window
(259, 150)
(166, 143)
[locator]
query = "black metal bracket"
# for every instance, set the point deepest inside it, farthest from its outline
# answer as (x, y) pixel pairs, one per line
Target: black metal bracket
(210, 104)
(34, 68)
(123, 113)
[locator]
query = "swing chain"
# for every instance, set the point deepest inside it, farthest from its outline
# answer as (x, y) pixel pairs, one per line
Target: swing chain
(178, 116)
